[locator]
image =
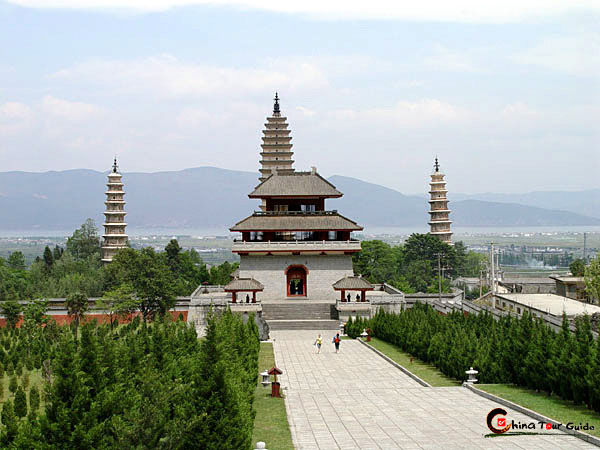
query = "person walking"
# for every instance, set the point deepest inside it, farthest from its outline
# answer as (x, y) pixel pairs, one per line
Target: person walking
(318, 343)
(336, 341)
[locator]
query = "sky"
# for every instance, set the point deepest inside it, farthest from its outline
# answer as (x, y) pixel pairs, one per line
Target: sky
(505, 94)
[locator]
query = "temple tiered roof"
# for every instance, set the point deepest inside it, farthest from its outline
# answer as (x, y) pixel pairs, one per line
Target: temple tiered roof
(297, 184)
(352, 284)
(296, 221)
(243, 284)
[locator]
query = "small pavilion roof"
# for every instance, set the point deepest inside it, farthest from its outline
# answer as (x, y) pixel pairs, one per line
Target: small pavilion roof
(352, 284)
(327, 221)
(296, 184)
(243, 284)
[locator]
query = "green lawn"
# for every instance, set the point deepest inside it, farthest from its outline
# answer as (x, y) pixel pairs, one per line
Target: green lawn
(553, 407)
(35, 378)
(425, 371)
(270, 425)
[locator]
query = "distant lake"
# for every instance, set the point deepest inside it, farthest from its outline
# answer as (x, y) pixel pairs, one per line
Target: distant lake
(394, 231)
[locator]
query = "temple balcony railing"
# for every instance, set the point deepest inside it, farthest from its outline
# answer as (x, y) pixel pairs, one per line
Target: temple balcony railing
(350, 245)
(296, 213)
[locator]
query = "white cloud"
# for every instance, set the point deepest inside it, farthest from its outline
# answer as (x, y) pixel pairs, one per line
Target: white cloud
(471, 11)
(406, 114)
(305, 111)
(14, 117)
(448, 60)
(576, 54)
(164, 76)
(519, 110)
(68, 110)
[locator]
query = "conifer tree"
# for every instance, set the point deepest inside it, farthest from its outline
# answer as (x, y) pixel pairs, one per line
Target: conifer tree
(48, 259)
(20, 403)
(593, 379)
(34, 398)
(12, 384)
(11, 426)
(25, 380)
(582, 359)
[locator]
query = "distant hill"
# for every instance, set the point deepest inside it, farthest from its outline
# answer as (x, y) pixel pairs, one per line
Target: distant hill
(209, 197)
(586, 202)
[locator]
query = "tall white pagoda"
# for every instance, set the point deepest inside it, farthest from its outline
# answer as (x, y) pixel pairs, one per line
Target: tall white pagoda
(439, 221)
(276, 147)
(114, 235)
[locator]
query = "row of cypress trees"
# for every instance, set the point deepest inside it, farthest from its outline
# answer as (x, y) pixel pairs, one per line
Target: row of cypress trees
(146, 385)
(515, 350)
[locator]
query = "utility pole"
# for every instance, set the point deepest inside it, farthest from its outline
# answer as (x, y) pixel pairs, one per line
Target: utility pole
(480, 283)
(493, 280)
(584, 247)
(439, 255)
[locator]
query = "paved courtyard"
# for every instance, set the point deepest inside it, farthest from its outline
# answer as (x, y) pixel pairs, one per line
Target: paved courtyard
(357, 400)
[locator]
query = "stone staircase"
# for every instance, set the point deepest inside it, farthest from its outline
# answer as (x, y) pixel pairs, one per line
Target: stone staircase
(300, 316)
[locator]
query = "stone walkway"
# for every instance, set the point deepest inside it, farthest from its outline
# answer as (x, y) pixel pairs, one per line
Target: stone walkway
(357, 400)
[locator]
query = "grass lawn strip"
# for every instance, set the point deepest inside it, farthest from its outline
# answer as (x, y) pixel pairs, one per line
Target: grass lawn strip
(425, 371)
(271, 424)
(560, 410)
(35, 378)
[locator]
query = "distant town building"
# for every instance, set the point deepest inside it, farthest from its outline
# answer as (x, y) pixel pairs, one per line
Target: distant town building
(533, 285)
(572, 287)
(439, 221)
(540, 305)
(114, 236)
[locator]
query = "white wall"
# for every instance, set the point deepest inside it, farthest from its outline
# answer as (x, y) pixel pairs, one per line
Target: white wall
(323, 271)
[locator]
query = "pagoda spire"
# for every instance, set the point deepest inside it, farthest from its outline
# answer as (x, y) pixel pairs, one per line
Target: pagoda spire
(114, 237)
(439, 221)
(276, 105)
(277, 146)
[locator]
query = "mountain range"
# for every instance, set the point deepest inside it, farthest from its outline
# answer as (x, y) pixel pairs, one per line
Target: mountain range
(214, 198)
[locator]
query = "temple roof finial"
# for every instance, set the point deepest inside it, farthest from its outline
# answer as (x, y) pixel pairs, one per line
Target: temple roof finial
(115, 167)
(436, 166)
(276, 105)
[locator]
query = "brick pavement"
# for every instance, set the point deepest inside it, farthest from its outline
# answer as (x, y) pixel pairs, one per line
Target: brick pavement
(357, 400)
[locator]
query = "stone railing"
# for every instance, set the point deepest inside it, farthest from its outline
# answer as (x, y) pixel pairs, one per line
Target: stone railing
(250, 246)
(296, 213)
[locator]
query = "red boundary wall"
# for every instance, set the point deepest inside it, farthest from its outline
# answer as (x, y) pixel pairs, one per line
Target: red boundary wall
(65, 319)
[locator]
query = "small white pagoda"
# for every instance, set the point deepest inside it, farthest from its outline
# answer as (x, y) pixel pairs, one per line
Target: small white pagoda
(114, 235)
(439, 221)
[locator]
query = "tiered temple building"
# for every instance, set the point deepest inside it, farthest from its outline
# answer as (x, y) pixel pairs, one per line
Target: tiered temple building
(114, 236)
(293, 248)
(439, 221)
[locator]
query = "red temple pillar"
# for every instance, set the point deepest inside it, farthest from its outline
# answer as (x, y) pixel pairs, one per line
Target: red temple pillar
(363, 296)
(233, 297)
(343, 295)
(253, 296)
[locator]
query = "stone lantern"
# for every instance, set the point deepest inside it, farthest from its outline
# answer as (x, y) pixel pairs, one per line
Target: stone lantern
(364, 334)
(265, 378)
(471, 373)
